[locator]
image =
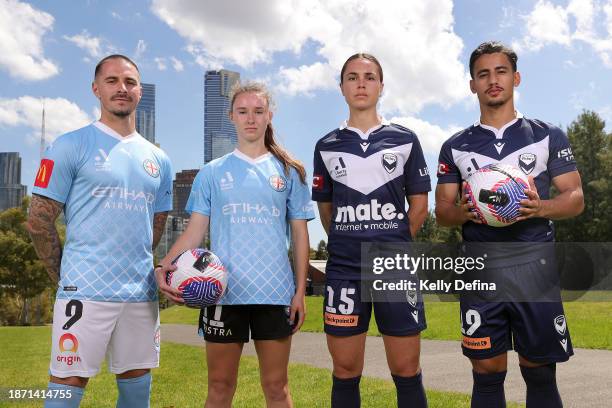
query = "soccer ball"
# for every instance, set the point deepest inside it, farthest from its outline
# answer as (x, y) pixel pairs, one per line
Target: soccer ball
(201, 277)
(496, 190)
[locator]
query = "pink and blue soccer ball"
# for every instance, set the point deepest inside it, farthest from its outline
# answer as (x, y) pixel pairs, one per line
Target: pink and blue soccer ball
(497, 190)
(201, 277)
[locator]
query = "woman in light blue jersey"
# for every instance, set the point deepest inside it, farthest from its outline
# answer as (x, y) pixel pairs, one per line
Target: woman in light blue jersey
(249, 198)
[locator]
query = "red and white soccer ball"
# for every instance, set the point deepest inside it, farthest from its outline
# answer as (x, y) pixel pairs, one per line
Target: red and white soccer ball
(201, 277)
(496, 190)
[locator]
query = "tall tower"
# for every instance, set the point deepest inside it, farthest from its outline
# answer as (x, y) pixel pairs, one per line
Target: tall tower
(145, 113)
(11, 189)
(219, 132)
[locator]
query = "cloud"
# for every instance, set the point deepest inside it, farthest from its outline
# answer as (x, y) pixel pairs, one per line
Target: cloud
(585, 21)
(22, 28)
(306, 79)
(177, 64)
(61, 115)
(161, 63)
(141, 47)
(414, 40)
(94, 46)
(430, 136)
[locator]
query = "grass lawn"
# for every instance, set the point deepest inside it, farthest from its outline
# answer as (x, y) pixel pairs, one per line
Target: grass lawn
(590, 323)
(181, 379)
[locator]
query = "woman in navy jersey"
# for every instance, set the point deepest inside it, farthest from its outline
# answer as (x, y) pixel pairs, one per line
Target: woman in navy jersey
(364, 172)
(249, 198)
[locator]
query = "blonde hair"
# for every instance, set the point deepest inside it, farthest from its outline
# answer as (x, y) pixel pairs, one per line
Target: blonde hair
(269, 141)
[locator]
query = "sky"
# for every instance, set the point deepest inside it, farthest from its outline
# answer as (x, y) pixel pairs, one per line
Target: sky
(48, 51)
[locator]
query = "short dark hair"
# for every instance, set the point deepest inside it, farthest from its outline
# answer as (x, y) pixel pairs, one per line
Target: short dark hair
(492, 47)
(365, 56)
(110, 57)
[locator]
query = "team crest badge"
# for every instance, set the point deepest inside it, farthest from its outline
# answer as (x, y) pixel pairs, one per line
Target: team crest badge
(389, 162)
(560, 325)
(278, 183)
(527, 162)
(151, 168)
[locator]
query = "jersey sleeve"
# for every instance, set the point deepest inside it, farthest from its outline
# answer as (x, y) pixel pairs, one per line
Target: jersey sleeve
(299, 205)
(163, 200)
(560, 157)
(57, 169)
(416, 175)
(447, 169)
(322, 187)
(201, 192)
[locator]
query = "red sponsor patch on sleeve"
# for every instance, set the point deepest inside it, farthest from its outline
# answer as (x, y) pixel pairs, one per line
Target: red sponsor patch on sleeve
(443, 168)
(317, 182)
(44, 173)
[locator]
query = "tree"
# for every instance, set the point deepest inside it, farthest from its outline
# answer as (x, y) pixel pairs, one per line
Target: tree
(591, 147)
(432, 232)
(321, 252)
(21, 273)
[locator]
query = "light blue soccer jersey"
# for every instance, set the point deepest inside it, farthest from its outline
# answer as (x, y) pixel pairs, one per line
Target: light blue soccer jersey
(249, 203)
(111, 186)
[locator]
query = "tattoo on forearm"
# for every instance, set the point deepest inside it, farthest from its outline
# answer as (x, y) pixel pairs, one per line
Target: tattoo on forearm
(46, 241)
(159, 224)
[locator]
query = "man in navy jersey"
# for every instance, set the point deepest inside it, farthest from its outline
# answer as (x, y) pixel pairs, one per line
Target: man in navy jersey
(536, 330)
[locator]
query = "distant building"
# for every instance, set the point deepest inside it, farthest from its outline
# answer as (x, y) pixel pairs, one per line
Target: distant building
(181, 187)
(174, 228)
(219, 132)
(11, 189)
(145, 113)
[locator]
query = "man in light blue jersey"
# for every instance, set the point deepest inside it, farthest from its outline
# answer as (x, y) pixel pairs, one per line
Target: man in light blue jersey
(115, 189)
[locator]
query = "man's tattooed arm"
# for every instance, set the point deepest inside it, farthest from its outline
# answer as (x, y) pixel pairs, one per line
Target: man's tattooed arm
(41, 226)
(159, 223)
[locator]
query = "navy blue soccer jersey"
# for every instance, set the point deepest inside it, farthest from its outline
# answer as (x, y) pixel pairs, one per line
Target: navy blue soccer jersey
(366, 177)
(539, 149)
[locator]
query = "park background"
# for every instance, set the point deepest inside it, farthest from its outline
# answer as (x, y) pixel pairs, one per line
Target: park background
(48, 51)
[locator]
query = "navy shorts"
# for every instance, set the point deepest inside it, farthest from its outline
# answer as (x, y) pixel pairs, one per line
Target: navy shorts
(346, 314)
(536, 330)
(233, 323)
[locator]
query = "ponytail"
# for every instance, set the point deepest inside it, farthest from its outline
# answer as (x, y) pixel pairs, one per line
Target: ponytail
(282, 155)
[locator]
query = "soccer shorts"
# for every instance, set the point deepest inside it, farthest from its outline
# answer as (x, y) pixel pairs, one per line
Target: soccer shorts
(537, 330)
(85, 331)
(346, 314)
(232, 323)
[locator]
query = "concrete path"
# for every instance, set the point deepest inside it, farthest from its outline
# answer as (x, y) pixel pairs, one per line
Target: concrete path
(584, 381)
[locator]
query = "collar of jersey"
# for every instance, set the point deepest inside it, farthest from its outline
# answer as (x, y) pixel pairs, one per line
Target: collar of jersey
(499, 133)
(112, 133)
(364, 136)
(246, 158)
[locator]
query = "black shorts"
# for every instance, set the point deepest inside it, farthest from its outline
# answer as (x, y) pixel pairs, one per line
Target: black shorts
(537, 330)
(232, 323)
(346, 314)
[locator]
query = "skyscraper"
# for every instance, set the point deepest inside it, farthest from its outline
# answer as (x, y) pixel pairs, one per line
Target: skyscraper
(145, 113)
(181, 187)
(219, 132)
(11, 189)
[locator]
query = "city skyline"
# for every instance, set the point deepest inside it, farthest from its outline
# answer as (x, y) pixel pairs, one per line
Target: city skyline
(11, 189)
(145, 112)
(297, 48)
(219, 132)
